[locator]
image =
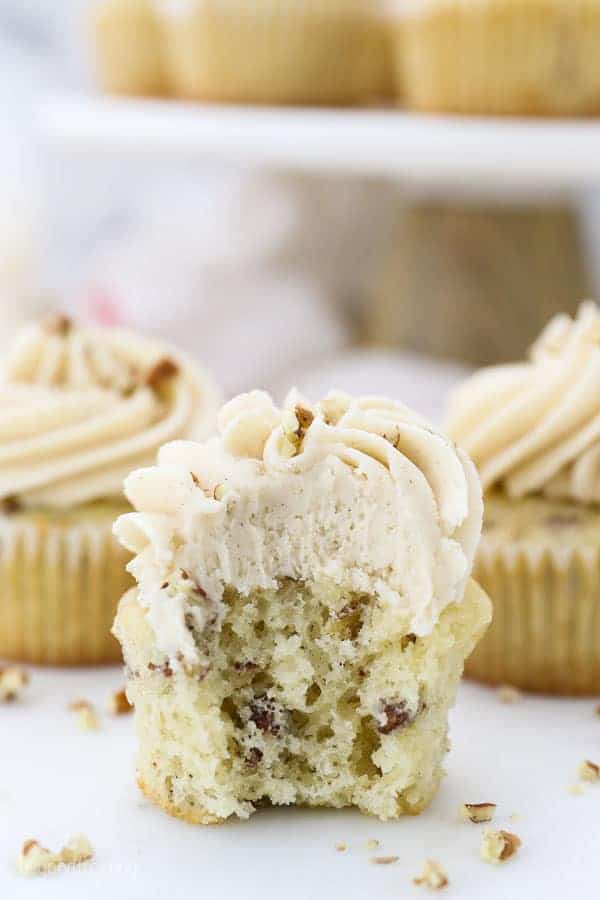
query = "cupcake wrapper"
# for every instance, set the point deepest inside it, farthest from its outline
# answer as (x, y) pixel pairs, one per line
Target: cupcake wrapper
(545, 633)
(501, 57)
(61, 583)
(129, 47)
(275, 52)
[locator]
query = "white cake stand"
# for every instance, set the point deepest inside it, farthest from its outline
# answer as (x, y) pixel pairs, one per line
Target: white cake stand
(458, 154)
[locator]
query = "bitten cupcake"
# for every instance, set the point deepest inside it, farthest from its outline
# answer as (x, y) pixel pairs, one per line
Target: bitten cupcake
(533, 429)
(80, 409)
(268, 51)
(301, 620)
(500, 57)
(129, 47)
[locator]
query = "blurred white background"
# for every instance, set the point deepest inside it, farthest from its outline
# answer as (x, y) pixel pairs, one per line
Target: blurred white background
(267, 277)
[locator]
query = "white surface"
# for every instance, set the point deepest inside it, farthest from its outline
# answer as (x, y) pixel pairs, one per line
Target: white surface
(458, 153)
(56, 780)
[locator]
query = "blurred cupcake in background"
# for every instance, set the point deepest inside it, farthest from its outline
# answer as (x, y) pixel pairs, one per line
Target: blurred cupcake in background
(533, 430)
(499, 57)
(129, 47)
(268, 51)
(80, 409)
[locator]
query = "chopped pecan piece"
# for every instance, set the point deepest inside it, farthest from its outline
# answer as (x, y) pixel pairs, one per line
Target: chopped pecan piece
(498, 846)
(254, 757)
(305, 419)
(433, 876)
(57, 323)
(477, 812)
(589, 771)
(246, 665)
(13, 681)
(119, 705)
(262, 713)
(164, 668)
(10, 505)
(160, 372)
(396, 714)
(508, 694)
(36, 860)
(88, 721)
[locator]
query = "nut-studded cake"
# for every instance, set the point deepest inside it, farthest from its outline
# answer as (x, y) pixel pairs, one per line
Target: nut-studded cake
(303, 609)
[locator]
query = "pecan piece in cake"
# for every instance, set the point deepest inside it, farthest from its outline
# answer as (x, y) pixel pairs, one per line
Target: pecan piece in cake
(396, 714)
(263, 714)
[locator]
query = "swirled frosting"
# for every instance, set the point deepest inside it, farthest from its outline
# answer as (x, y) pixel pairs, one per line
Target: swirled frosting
(358, 491)
(80, 408)
(534, 428)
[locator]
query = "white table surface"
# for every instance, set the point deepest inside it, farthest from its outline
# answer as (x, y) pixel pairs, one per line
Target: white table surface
(56, 780)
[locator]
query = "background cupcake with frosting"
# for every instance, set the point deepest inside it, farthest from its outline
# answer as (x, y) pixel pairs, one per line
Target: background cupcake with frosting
(80, 408)
(533, 429)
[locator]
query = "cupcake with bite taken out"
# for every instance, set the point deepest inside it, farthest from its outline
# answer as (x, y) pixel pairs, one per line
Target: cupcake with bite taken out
(303, 608)
(80, 408)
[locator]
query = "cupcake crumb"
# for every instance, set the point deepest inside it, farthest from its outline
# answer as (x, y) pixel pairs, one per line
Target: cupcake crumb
(384, 860)
(36, 860)
(373, 844)
(13, 681)
(88, 720)
(341, 847)
(477, 812)
(589, 771)
(433, 876)
(498, 846)
(119, 704)
(508, 694)
(576, 789)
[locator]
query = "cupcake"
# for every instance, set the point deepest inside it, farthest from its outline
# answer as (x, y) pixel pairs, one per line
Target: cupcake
(514, 57)
(80, 409)
(300, 620)
(266, 51)
(129, 47)
(533, 429)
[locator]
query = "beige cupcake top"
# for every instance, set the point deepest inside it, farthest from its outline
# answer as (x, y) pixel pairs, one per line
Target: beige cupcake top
(82, 407)
(359, 491)
(534, 427)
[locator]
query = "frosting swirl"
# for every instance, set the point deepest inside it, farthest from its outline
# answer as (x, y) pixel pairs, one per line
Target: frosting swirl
(534, 428)
(359, 491)
(81, 407)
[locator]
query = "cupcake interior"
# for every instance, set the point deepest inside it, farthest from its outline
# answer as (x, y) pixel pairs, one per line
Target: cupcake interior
(305, 694)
